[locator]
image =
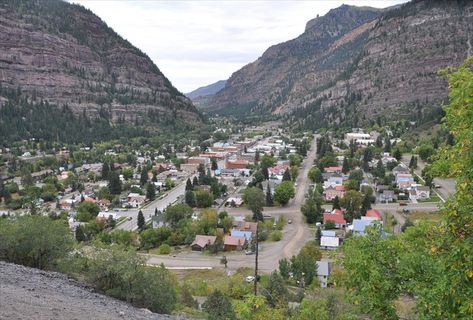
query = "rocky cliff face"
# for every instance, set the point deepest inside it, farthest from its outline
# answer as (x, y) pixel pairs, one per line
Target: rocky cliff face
(64, 54)
(355, 64)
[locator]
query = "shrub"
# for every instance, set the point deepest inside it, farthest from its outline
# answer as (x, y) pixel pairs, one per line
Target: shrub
(276, 235)
(164, 249)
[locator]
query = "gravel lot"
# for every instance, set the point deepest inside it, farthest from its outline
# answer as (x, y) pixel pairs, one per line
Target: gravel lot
(27, 293)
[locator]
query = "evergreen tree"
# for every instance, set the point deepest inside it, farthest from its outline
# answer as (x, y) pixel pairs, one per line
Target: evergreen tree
(80, 235)
(195, 182)
(190, 198)
(387, 144)
(318, 235)
(397, 154)
(105, 170)
(366, 205)
(287, 175)
(413, 163)
(380, 171)
(265, 172)
(150, 191)
(189, 185)
(269, 197)
(141, 221)
(144, 176)
(336, 203)
(114, 184)
(345, 167)
(214, 165)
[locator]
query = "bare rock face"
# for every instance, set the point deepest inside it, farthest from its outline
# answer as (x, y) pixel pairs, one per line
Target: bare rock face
(64, 54)
(355, 64)
(32, 294)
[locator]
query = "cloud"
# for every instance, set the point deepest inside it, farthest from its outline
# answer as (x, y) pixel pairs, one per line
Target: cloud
(196, 43)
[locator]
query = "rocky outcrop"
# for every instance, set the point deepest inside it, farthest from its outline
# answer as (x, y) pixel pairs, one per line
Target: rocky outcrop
(27, 293)
(64, 54)
(356, 64)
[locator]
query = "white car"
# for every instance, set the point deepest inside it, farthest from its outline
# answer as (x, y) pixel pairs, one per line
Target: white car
(250, 279)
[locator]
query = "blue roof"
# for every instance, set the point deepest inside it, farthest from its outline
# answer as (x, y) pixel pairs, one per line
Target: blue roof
(237, 233)
(360, 225)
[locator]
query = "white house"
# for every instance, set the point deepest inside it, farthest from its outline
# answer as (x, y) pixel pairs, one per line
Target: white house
(324, 269)
(329, 240)
(135, 199)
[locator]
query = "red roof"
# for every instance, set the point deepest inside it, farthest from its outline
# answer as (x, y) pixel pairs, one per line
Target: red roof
(373, 213)
(340, 188)
(332, 169)
(337, 218)
(239, 161)
(234, 241)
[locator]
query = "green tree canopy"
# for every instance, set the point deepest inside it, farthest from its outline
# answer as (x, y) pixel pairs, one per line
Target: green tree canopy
(284, 192)
(34, 241)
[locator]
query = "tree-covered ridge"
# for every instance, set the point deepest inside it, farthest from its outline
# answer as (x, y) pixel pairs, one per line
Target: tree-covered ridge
(20, 120)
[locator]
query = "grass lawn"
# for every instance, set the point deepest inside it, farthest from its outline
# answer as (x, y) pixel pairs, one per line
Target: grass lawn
(204, 282)
(433, 198)
(422, 215)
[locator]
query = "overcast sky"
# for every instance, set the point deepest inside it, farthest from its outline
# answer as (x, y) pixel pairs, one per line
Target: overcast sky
(196, 43)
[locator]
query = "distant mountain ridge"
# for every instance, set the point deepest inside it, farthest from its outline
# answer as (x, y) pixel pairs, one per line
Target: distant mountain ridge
(354, 65)
(63, 54)
(207, 90)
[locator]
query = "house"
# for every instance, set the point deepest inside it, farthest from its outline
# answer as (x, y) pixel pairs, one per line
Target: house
(334, 180)
(400, 169)
(336, 217)
(236, 164)
(234, 202)
(324, 269)
(189, 167)
(404, 180)
(381, 187)
(373, 213)
(387, 196)
(135, 199)
(329, 240)
(199, 160)
(420, 193)
(332, 192)
(333, 169)
(242, 233)
(245, 226)
(360, 225)
(201, 242)
(231, 243)
(278, 169)
(106, 215)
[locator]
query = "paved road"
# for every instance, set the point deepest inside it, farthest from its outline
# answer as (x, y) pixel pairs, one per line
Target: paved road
(294, 235)
(160, 204)
(447, 185)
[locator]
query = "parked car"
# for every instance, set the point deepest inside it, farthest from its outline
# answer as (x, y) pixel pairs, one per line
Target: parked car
(250, 279)
(289, 221)
(249, 252)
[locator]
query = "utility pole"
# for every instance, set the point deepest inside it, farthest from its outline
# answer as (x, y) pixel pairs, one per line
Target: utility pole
(256, 262)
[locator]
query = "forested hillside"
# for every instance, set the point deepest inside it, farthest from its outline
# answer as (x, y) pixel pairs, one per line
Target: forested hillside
(55, 52)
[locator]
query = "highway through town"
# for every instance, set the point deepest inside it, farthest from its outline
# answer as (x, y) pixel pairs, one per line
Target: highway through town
(160, 204)
(294, 235)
